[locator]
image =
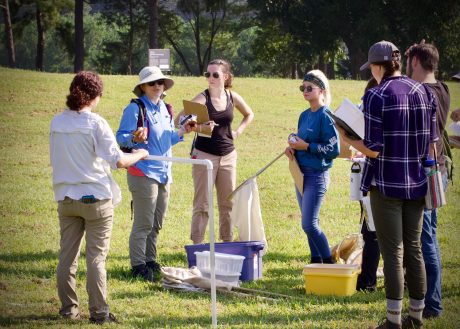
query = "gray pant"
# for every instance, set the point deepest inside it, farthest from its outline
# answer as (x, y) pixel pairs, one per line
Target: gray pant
(76, 218)
(398, 224)
(150, 201)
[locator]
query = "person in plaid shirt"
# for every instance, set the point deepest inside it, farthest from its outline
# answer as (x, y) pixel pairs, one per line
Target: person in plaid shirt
(400, 129)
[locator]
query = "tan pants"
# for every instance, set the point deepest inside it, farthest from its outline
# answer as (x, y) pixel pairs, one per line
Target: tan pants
(76, 218)
(224, 178)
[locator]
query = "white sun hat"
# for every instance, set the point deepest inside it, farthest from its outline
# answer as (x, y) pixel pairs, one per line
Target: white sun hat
(152, 73)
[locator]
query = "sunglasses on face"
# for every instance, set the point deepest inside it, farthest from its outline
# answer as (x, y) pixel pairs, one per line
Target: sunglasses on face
(307, 89)
(215, 75)
(156, 82)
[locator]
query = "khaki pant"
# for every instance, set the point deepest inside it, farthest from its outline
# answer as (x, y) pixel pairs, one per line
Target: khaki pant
(224, 178)
(150, 201)
(398, 225)
(76, 218)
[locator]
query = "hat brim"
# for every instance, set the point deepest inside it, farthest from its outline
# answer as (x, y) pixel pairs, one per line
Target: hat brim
(168, 85)
(364, 66)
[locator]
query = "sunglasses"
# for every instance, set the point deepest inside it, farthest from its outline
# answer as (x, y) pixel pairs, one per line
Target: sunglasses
(156, 82)
(307, 89)
(215, 75)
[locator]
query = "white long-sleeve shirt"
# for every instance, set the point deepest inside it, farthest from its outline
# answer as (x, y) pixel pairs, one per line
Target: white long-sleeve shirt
(82, 147)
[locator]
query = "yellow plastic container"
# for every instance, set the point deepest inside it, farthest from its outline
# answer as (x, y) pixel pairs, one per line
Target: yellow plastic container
(331, 279)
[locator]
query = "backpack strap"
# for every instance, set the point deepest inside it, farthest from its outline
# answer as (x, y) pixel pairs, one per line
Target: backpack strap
(142, 111)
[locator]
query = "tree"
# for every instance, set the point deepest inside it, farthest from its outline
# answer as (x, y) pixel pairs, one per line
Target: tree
(153, 23)
(204, 18)
(9, 34)
(79, 37)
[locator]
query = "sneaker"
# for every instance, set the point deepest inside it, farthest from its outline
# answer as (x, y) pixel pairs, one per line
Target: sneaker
(107, 319)
(411, 323)
(387, 325)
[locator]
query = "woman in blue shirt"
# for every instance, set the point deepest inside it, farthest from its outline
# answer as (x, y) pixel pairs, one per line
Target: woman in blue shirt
(314, 147)
(149, 180)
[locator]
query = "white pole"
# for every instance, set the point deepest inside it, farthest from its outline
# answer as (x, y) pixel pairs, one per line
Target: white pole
(209, 166)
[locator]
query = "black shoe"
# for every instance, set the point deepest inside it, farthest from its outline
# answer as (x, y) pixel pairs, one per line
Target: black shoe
(427, 314)
(386, 325)
(107, 319)
(143, 272)
(411, 323)
(366, 289)
(316, 260)
(155, 268)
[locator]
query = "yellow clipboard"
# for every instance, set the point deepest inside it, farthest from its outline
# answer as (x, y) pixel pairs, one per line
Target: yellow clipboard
(201, 112)
(297, 174)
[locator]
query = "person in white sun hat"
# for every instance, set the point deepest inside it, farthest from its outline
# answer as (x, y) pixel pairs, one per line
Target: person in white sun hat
(147, 124)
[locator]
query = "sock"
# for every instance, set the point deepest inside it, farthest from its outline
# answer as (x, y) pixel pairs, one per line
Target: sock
(416, 308)
(394, 308)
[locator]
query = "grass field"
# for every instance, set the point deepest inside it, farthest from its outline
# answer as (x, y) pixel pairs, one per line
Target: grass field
(29, 230)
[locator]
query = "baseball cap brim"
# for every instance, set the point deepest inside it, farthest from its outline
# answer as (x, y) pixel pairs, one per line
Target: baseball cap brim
(365, 66)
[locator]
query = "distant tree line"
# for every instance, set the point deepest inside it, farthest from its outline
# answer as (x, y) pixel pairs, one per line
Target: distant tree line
(282, 38)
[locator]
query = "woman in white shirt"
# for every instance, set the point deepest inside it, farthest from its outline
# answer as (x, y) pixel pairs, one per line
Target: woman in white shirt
(82, 151)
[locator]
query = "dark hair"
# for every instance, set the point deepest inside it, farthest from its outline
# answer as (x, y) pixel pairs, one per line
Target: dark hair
(426, 53)
(371, 83)
(85, 87)
(390, 67)
(226, 68)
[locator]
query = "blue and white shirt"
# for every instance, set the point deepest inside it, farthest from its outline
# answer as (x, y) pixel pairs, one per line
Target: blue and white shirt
(161, 137)
(317, 129)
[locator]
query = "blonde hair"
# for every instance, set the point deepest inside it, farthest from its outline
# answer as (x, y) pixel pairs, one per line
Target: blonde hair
(324, 84)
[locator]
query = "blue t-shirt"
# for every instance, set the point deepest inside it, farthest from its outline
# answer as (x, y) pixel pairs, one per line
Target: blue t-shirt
(317, 129)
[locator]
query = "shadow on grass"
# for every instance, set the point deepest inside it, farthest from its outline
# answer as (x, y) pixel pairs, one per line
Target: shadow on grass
(29, 319)
(29, 257)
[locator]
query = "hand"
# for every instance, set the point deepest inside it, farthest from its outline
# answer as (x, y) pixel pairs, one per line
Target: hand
(455, 115)
(140, 135)
(289, 152)
(188, 126)
(235, 134)
(299, 144)
(144, 152)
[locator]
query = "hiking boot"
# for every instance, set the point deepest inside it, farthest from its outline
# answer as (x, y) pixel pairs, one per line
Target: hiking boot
(143, 272)
(316, 260)
(387, 325)
(155, 269)
(411, 323)
(107, 319)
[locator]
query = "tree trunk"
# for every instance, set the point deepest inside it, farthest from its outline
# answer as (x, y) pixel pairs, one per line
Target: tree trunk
(79, 37)
(153, 23)
(129, 68)
(40, 39)
(9, 34)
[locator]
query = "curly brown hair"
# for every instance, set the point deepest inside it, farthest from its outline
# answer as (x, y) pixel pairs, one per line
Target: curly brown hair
(85, 87)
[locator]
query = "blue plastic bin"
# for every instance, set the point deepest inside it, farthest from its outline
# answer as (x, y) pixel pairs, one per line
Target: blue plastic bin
(251, 250)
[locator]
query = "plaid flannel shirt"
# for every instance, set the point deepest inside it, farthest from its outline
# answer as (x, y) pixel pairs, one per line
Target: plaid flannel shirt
(400, 123)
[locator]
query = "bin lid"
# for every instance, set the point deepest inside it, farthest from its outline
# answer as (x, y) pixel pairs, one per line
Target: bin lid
(331, 268)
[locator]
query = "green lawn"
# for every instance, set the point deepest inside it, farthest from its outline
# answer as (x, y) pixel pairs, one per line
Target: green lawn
(29, 230)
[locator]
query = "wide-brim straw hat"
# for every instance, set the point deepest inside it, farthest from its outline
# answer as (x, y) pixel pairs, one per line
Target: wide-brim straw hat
(149, 74)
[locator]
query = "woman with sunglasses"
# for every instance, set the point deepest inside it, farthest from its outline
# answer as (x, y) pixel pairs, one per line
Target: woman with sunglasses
(220, 149)
(148, 180)
(314, 147)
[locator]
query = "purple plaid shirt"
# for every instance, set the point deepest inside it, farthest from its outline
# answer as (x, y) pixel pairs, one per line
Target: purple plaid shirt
(400, 123)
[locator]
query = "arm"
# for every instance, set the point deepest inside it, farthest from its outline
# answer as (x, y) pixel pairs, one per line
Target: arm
(245, 110)
(359, 145)
(128, 159)
(128, 124)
